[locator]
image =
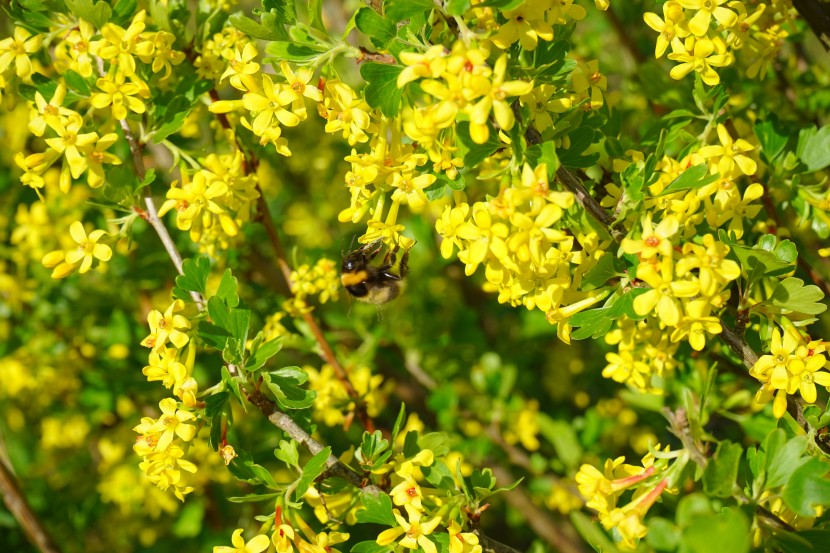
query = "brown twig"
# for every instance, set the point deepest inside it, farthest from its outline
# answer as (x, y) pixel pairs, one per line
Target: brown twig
(267, 220)
(679, 426)
(19, 508)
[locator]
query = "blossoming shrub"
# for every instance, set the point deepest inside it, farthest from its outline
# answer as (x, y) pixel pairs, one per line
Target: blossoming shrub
(612, 329)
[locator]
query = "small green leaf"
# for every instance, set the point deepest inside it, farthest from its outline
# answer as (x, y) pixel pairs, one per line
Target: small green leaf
(215, 403)
(75, 82)
(719, 478)
(814, 149)
(377, 509)
(254, 497)
(784, 461)
(382, 87)
(457, 8)
(287, 391)
(807, 488)
(379, 29)
(98, 13)
(313, 468)
(369, 547)
(792, 295)
(291, 51)
(398, 10)
(399, 421)
(693, 177)
(287, 453)
(227, 289)
(243, 468)
(773, 141)
(263, 353)
(195, 275)
(257, 30)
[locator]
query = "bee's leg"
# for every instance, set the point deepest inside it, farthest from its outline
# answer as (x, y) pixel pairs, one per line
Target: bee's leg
(391, 256)
(372, 249)
(404, 261)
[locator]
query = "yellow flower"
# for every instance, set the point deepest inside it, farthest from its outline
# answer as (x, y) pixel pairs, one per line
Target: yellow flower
(167, 327)
(447, 227)
(164, 365)
(525, 24)
(653, 240)
(429, 65)
(49, 113)
(699, 24)
(729, 155)
(172, 423)
(495, 99)
(407, 492)
(257, 544)
(664, 292)
(696, 322)
(672, 25)
(17, 49)
(241, 64)
(88, 247)
(413, 530)
(118, 94)
(67, 143)
(462, 542)
(97, 156)
(699, 55)
(119, 44)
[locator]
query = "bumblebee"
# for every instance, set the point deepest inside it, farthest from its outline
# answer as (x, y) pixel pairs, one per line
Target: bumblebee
(374, 283)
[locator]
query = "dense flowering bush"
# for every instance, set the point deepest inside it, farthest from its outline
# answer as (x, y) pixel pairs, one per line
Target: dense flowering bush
(611, 330)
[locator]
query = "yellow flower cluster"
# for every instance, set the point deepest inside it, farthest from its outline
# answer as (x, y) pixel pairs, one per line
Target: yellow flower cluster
(534, 20)
(290, 535)
(322, 280)
(267, 104)
(528, 259)
(80, 257)
(461, 82)
(172, 353)
(408, 495)
(159, 445)
(81, 152)
(688, 284)
(333, 403)
(215, 201)
(163, 441)
(705, 34)
(791, 366)
(602, 490)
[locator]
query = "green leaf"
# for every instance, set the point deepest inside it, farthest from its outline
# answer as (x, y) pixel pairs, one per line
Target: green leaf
(544, 153)
(476, 153)
(807, 488)
(772, 140)
(254, 497)
(371, 447)
(195, 275)
(758, 262)
(693, 177)
(501, 5)
(398, 10)
(257, 30)
(382, 87)
(213, 336)
(243, 468)
(379, 29)
(291, 51)
(227, 289)
(600, 273)
(285, 386)
(815, 149)
(662, 534)
(369, 547)
(783, 461)
(439, 475)
(170, 127)
(287, 453)
(313, 468)
(729, 530)
(122, 11)
(98, 13)
(719, 478)
(399, 421)
(215, 403)
(377, 509)
(805, 541)
(262, 353)
(791, 295)
(457, 7)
